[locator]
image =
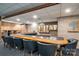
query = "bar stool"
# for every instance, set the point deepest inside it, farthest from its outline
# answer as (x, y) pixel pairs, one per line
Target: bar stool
(29, 46)
(18, 43)
(9, 41)
(70, 49)
(45, 49)
(4, 40)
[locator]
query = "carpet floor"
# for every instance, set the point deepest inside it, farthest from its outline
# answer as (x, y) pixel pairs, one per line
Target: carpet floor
(14, 52)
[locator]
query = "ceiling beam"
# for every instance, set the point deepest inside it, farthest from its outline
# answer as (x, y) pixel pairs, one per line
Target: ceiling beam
(31, 9)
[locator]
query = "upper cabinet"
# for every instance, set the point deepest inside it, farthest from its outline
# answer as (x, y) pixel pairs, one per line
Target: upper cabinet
(48, 27)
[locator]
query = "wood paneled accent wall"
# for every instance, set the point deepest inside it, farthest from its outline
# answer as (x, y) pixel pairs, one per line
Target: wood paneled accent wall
(7, 26)
(12, 26)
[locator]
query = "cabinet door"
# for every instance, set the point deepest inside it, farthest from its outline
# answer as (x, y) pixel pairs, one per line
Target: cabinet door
(47, 28)
(55, 27)
(51, 27)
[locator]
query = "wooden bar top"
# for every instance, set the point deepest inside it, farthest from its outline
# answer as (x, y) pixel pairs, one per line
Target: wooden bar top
(61, 42)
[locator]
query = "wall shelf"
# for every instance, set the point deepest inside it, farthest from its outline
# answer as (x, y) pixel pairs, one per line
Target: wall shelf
(73, 31)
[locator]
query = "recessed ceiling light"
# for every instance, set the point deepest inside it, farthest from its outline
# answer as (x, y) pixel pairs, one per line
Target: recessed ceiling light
(68, 10)
(18, 19)
(34, 24)
(35, 16)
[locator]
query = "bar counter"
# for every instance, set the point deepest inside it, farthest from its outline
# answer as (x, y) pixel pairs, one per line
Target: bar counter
(35, 38)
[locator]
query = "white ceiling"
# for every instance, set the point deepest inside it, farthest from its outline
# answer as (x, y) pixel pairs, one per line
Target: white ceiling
(47, 14)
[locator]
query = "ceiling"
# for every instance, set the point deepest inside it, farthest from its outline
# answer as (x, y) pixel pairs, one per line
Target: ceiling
(46, 14)
(10, 8)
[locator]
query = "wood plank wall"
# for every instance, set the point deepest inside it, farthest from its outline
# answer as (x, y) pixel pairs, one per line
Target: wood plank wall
(13, 26)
